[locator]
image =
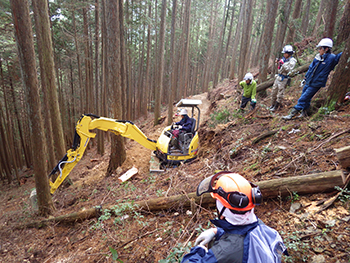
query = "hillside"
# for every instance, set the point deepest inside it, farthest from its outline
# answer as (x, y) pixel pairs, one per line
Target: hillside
(226, 137)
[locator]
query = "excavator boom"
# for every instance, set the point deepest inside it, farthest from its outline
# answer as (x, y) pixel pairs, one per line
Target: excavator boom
(83, 134)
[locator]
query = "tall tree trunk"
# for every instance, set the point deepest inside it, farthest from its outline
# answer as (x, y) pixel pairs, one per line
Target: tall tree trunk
(118, 154)
(330, 19)
(160, 68)
(319, 17)
(224, 66)
(47, 69)
(123, 65)
(245, 39)
(237, 37)
(25, 45)
(172, 64)
(341, 78)
(271, 11)
(305, 20)
(295, 16)
(281, 30)
(344, 25)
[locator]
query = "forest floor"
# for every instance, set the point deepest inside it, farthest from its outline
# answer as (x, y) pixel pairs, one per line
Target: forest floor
(226, 137)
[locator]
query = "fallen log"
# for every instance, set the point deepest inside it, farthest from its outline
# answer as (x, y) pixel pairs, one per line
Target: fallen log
(269, 83)
(263, 136)
(305, 184)
(343, 155)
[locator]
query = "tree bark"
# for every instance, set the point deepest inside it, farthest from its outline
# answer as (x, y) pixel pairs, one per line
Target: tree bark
(47, 69)
(305, 20)
(160, 68)
(25, 45)
(341, 78)
(271, 11)
(319, 17)
(118, 154)
(295, 16)
(344, 25)
(330, 19)
(305, 184)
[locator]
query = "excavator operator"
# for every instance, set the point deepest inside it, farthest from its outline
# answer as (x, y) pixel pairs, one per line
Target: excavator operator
(183, 126)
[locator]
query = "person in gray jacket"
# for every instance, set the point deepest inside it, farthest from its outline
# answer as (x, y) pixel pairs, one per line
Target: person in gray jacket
(285, 66)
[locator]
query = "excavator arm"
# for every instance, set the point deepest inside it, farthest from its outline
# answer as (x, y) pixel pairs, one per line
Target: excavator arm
(83, 134)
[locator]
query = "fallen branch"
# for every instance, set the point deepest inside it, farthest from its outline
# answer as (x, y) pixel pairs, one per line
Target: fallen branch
(263, 136)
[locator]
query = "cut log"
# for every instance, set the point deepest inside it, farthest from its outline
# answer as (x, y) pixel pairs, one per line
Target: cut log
(130, 173)
(343, 155)
(306, 184)
(269, 83)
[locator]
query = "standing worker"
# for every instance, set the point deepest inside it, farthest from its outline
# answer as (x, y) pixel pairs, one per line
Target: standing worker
(285, 67)
(248, 85)
(239, 235)
(315, 77)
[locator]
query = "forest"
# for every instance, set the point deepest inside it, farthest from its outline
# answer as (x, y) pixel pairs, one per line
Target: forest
(133, 61)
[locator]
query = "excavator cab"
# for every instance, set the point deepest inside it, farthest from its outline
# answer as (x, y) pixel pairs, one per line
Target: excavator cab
(187, 141)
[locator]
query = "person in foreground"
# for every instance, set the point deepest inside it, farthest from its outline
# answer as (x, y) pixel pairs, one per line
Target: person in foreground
(315, 77)
(239, 235)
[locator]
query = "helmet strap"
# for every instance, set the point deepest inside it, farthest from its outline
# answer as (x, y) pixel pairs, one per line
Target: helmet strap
(220, 212)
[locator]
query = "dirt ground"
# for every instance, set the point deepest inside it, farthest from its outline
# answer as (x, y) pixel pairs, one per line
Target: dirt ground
(226, 137)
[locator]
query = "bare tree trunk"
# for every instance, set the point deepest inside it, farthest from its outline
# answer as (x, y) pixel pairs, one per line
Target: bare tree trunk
(118, 154)
(25, 45)
(237, 36)
(344, 25)
(281, 30)
(341, 78)
(295, 16)
(160, 68)
(330, 19)
(172, 64)
(271, 11)
(123, 65)
(245, 39)
(319, 17)
(305, 20)
(47, 69)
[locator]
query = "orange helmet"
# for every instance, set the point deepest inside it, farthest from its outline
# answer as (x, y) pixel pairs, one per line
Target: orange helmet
(232, 190)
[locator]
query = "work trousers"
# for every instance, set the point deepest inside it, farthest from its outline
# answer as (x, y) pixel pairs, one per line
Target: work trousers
(245, 101)
(305, 98)
(278, 88)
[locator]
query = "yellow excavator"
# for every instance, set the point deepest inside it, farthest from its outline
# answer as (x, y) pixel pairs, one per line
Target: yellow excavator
(186, 151)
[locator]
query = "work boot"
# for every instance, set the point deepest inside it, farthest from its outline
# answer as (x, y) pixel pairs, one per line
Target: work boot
(273, 105)
(276, 106)
(303, 114)
(291, 114)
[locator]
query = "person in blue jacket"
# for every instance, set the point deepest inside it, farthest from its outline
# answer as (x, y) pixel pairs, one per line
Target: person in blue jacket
(182, 126)
(239, 236)
(315, 77)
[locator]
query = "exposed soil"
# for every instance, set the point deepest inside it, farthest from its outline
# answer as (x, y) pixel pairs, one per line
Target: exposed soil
(141, 236)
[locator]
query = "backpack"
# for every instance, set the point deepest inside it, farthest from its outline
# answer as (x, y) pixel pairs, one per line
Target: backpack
(265, 245)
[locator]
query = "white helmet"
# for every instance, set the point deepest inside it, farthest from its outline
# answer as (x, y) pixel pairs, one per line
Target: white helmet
(287, 49)
(325, 42)
(248, 76)
(183, 112)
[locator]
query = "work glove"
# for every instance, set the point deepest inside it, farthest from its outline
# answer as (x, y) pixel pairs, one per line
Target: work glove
(179, 126)
(254, 100)
(205, 237)
(302, 83)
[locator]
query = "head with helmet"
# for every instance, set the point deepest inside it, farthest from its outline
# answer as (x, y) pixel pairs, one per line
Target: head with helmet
(232, 190)
(325, 46)
(183, 112)
(248, 78)
(287, 51)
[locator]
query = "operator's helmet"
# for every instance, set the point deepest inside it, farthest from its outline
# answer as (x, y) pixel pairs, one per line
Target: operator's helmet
(183, 112)
(232, 190)
(248, 76)
(288, 49)
(325, 42)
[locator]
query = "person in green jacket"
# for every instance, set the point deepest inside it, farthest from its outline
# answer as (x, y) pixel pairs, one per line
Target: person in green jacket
(248, 85)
